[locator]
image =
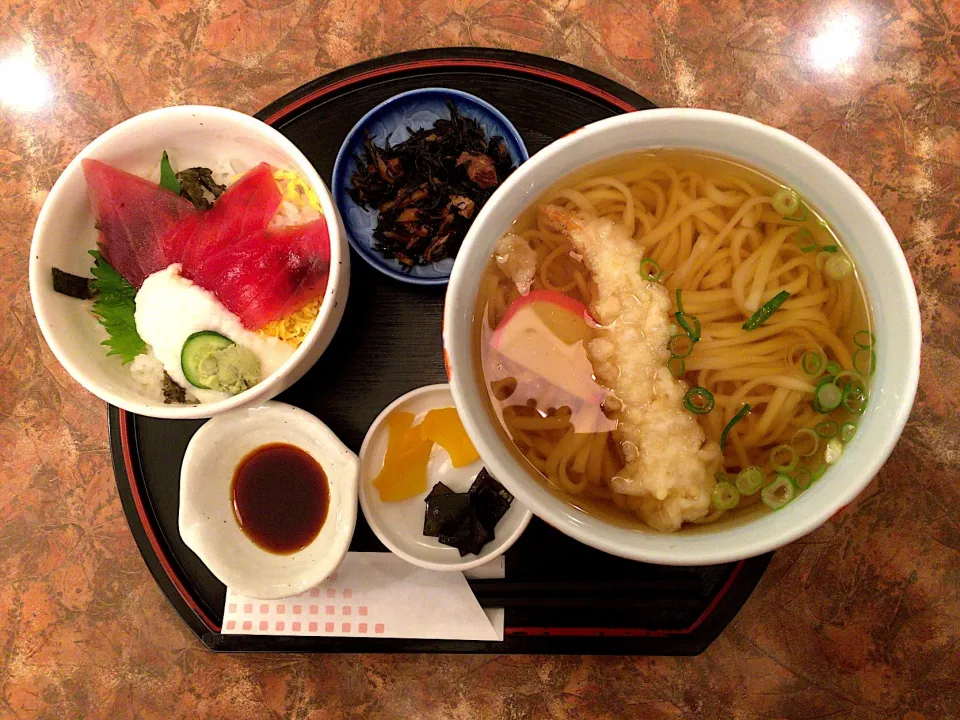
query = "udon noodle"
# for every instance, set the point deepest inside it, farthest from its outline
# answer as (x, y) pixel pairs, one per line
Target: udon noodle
(718, 233)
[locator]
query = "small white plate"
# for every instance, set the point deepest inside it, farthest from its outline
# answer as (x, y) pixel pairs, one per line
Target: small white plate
(207, 522)
(399, 525)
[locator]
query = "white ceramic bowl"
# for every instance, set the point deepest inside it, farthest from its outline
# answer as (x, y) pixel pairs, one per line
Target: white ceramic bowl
(192, 135)
(399, 525)
(867, 238)
(207, 522)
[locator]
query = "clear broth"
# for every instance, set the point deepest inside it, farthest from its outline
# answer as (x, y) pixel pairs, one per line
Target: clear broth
(491, 373)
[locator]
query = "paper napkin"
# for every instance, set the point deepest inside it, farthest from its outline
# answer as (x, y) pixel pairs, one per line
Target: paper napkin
(374, 595)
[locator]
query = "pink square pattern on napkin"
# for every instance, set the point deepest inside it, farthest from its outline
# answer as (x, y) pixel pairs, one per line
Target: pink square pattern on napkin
(266, 617)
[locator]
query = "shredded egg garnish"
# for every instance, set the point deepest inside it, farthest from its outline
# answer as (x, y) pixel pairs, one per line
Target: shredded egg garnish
(294, 328)
(295, 190)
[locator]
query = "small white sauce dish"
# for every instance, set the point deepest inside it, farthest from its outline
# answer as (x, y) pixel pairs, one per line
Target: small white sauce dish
(399, 525)
(209, 527)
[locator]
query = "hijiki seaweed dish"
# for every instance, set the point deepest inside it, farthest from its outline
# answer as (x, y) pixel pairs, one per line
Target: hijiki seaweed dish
(206, 281)
(427, 189)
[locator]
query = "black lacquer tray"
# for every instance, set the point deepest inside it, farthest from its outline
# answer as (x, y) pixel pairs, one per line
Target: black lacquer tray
(560, 596)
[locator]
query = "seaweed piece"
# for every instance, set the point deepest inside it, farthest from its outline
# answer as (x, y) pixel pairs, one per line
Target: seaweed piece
(466, 521)
(72, 285)
(172, 393)
(438, 489)
(470, 535)
(490, 499)
(196, 184)
(427, 189)
(445, 512)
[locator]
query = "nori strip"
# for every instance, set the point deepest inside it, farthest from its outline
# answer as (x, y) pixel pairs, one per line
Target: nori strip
(196, 183)
(469, 537)
(438, 489)
(172, 393)
(445, 511)
(467, 520)
(491, 500)
(72, 285)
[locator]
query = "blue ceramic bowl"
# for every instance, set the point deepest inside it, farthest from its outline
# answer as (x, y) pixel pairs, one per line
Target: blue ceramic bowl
(390, 119)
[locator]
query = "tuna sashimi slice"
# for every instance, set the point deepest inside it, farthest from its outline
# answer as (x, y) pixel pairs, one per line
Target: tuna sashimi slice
(134, 217)
(270, 274)
(247, 207)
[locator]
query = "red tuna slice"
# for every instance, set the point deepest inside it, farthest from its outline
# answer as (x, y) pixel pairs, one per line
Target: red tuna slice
(270, 274)
(246, 208)
(134, 217)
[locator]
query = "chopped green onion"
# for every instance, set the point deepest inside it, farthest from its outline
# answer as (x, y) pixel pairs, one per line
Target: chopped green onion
(837, 267)
(826, 429)
(833, 368)
(811, 362)
(725, 496)
(676, 366)
(741, 413)
(825, 380)
(855, 399)
(750, 480)
(847, 431)
(806, 242)
(827, 398)
(786, 201)
(818, 473)
(650, 269)
(780, 463)
(679, 300)
(805, 433)
(864, 339)
(865, 361)
(764, 313)
(847, 377)
(778, 493)
(690, 325)
(680, 346)
(168, 178)
(801, 214)
(698, 400)
(831, 248)
(833, 451)
(803, 478)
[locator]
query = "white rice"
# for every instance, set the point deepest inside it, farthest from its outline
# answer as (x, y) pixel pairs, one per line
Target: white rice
(148, 371)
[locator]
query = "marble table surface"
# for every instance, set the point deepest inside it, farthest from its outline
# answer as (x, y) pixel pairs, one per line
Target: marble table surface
(861, 619)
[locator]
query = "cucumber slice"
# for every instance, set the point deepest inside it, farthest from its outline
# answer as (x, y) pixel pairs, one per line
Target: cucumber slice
(199, 347)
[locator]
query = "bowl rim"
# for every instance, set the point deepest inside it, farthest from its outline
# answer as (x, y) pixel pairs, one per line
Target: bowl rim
(265, 388)
(650, 546)
(275, 412)
(373, 519)
(337, 179)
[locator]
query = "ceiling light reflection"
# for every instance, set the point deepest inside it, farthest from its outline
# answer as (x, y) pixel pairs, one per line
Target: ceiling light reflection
(23, 85)
(838, 44)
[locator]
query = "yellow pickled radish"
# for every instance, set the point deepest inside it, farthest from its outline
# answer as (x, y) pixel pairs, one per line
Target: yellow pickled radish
(443, 426)
(404, 472)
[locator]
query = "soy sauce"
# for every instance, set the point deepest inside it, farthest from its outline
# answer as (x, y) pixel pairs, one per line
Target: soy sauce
(280, 497)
